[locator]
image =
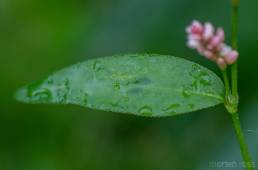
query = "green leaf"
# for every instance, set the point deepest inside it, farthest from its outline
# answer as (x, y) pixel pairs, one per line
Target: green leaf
(145, 85)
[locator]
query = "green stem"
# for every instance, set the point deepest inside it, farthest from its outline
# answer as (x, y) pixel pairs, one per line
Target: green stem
(241, 140)
(231, 101)
(226, 81)
(234, 31)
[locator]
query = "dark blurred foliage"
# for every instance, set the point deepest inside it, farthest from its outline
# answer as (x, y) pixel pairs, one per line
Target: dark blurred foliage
(42, 36)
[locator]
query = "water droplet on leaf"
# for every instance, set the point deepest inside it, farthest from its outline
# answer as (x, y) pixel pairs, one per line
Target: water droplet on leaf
(186, 93)
(43, 95)
(37, 93)
(192, 106)
(97, 66)
(200, 77)
(172, 108)
(205, 80)
(145, 111)
(116, 85)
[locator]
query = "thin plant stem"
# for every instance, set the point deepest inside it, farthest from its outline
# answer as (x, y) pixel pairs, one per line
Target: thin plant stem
(226, 81)
(232, 96)
(241, 140)
(234, 79)
(234, 39)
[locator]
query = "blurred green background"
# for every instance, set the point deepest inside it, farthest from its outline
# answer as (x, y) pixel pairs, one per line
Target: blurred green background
(38, 37)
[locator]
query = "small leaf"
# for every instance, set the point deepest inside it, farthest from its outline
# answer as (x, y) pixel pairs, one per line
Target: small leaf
(146, 85)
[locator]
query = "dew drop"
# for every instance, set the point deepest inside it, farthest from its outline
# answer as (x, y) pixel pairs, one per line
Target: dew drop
(172, 108)
(205, 80)
(33, 87)
(117, 106)
(186, 93)
(195, 68)
(195, 86)
(97, 66)
(145, 111)
(192, 106)
(200, 76)
(42, 94)
(116, 85)
(38, 93)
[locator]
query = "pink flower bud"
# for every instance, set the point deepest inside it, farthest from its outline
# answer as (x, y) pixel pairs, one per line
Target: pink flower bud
(220, 33)
(214, 42)
(225, 50)
(195, 28)
(231, 57)
(208, 54)
(208, 31)
(192, 43)
(221, 63)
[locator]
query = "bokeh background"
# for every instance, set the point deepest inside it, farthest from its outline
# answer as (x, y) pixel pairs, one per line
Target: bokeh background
(38, 37)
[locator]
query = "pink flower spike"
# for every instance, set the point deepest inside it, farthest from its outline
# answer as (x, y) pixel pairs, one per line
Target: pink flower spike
(220, 33)
(210, 44)
(231, 57)
(208, 31)
(221, 63)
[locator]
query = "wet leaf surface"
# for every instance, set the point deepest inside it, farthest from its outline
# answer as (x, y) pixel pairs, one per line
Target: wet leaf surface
(144, 85)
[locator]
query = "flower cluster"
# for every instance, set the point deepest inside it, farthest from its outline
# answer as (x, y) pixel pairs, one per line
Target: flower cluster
(210, 43)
